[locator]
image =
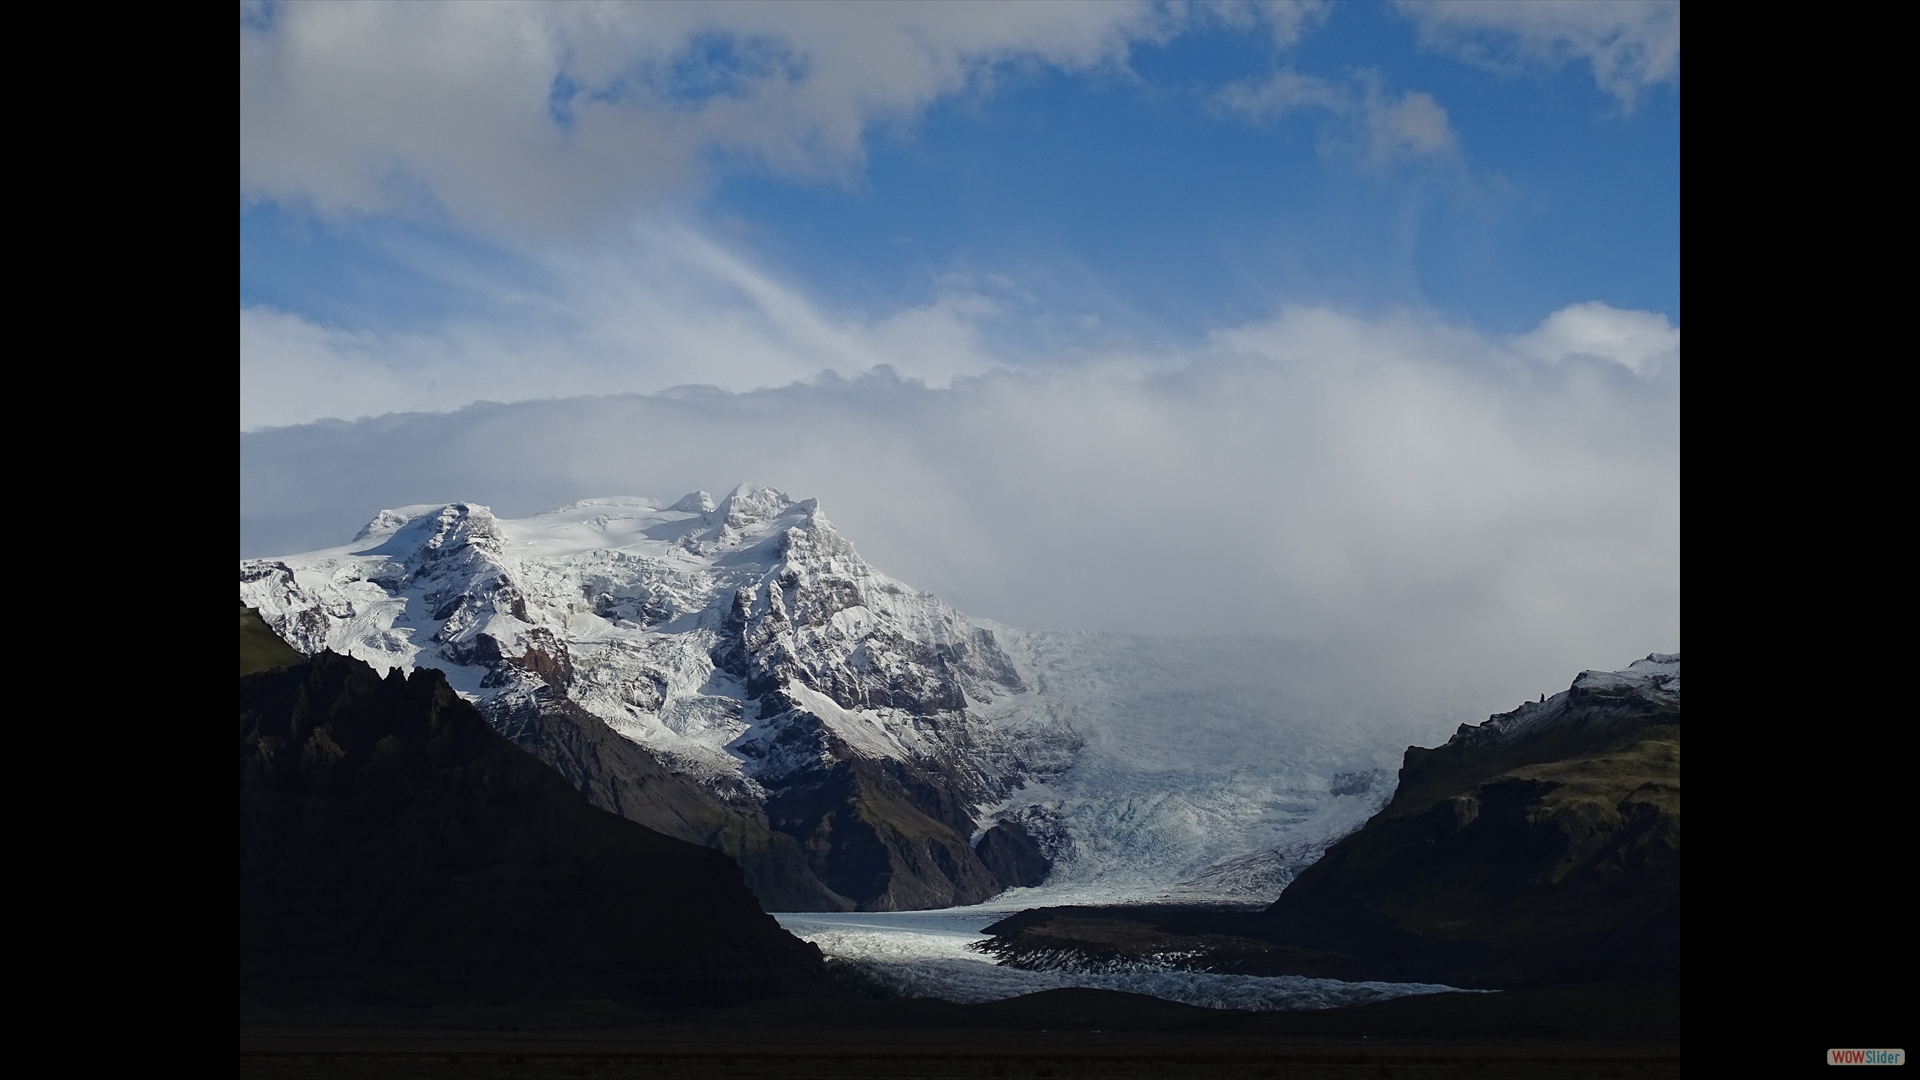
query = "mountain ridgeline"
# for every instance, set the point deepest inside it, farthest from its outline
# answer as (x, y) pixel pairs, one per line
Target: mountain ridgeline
(731, 674)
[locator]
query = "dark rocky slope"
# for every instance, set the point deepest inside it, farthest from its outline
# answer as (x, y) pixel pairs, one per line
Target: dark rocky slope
(621, 777)
(394, 848)
(1543, 845)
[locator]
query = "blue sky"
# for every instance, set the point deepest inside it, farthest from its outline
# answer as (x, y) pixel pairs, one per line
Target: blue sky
(1453, 224)
(1071, 202)
(1143, 189)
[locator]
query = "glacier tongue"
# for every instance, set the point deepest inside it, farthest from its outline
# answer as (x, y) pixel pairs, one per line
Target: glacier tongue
(743, 643)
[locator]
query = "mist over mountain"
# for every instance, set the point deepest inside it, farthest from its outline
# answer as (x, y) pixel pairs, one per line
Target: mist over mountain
(732, 672)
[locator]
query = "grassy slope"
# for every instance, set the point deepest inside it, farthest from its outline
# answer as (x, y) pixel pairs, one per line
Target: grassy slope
(260, 648)
(1551, 857)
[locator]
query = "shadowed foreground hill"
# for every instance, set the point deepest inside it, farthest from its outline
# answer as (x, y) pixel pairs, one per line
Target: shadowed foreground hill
(1543, 845)
(394, 849)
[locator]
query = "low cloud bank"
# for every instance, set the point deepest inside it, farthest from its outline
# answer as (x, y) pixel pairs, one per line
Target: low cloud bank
(1448, 510)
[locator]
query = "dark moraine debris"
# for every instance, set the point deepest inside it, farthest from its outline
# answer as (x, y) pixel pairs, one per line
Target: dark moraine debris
(1209, 937)
(395, 849)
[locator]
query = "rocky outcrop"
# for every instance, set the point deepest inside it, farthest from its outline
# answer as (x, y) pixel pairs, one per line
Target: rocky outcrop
(1543, 845)
(1013, 856)
(395, 849)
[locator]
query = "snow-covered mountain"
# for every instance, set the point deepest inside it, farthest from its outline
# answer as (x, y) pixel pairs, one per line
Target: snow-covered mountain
(733, 672)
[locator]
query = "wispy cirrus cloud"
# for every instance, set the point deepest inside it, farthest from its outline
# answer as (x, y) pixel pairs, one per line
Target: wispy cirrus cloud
(1287, 20)
(1631, 45)
(1379, 126)
(670, 307)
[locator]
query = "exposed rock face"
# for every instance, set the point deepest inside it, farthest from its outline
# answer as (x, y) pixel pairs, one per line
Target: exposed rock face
(1013, 856)
(1542, 845)
(730, 673)
(394, 848)
(618, 775)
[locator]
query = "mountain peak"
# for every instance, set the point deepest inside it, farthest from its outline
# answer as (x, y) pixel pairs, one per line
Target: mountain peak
(751, 504)
(432, 531)
(694, 502)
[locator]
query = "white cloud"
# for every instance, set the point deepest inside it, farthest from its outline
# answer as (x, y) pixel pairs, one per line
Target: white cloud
(1643, 342)
(527, 115)
(292, 371)
(1384, 128)
(1631, 45)
(1411, 125)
